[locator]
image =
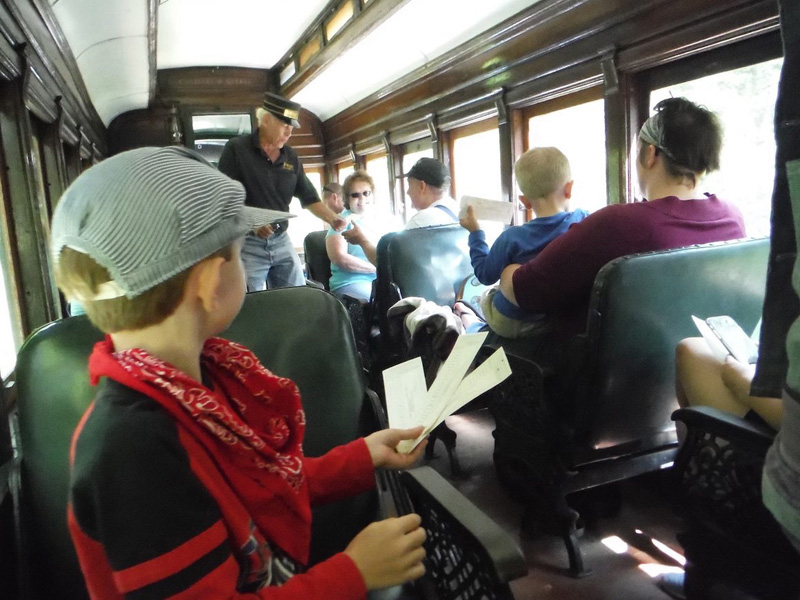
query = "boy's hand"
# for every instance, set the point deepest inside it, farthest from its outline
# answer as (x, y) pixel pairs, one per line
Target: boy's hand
(468, 221)
(383, 448)
(389, 552)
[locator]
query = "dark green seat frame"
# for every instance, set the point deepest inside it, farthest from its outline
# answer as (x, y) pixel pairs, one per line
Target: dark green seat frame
(609, 419)
(430, 263)
(315, 254)
(731, 541)
(302, 333)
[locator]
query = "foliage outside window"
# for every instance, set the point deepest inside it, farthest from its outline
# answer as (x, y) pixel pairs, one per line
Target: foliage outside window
(744, 100)
(579, 132)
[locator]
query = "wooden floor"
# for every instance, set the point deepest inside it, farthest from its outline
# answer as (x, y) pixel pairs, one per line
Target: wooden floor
(619, 549)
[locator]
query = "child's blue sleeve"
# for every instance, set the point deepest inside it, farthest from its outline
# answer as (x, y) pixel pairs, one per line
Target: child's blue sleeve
(488, 264)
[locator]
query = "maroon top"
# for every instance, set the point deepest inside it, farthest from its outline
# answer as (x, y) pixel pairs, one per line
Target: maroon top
(559, 280)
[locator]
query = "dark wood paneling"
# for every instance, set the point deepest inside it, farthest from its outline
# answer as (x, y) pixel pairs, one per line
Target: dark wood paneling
(48, 52)
(37, 88)
(375, 13)
(213, 88)
(27, 211)
(552, 49)
(143, 127)
(67, 125)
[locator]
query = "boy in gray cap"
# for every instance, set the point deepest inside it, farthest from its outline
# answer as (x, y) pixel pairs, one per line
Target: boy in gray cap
(188, 475)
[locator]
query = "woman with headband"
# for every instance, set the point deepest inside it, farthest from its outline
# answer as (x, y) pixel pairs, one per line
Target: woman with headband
(679, 144)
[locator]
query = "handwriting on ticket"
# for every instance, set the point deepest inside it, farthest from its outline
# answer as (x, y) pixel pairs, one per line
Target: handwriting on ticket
(410, 404)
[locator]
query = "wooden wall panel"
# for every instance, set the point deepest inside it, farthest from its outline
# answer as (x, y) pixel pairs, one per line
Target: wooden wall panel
(552, 49)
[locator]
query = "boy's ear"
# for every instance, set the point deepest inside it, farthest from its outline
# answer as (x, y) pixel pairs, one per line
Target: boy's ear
(525, 200)
(568, 189)
(207, 280)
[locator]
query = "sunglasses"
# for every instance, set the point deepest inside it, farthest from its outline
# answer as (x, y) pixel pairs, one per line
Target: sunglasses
(365, 193)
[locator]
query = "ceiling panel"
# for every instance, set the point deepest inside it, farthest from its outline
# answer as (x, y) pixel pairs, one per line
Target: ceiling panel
(241, 33)
(109, 41)
(417, 33)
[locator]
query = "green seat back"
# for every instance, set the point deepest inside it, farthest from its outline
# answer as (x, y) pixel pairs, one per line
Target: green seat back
(429, 262)
(641, 307)
(301, 333)
(318, 265)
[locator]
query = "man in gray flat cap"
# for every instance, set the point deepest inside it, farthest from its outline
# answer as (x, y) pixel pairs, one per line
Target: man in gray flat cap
(272, 174)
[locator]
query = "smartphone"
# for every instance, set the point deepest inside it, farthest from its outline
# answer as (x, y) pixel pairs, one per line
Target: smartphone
(735, 340)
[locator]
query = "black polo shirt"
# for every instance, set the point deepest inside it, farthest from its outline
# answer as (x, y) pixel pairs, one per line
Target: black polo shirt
(267, 184)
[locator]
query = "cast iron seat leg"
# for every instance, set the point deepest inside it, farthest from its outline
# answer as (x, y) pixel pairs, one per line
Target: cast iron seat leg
(448, 437)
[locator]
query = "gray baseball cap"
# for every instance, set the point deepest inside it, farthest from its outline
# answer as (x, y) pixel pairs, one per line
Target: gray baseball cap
(150, 213)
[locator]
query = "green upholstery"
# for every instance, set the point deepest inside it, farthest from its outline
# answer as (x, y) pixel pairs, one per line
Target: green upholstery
(318, 265)
(302, 333)
(608, 417)
(54, 391)
(641, 308)
(429, 262)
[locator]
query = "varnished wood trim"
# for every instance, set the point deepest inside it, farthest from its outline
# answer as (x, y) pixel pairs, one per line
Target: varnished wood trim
(28, 222)
(549, 53)
(58, 60)
(364, 21)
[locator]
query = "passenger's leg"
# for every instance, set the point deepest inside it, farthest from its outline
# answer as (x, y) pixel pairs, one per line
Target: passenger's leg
(357, 289)
(256, 262)
(285, 267)
(699, 382)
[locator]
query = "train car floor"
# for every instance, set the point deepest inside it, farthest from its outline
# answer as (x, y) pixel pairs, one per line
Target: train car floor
(625, 551)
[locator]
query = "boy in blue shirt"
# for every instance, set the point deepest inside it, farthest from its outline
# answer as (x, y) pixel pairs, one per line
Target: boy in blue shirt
(545, 179)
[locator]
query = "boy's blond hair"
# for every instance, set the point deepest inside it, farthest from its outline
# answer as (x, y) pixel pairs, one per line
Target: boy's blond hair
(79, 276)
(542, 171)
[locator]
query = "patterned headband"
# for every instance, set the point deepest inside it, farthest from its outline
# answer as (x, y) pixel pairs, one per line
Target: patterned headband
(652, 132)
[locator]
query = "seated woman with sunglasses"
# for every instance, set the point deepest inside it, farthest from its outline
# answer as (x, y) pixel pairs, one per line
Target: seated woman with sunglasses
(353, 264)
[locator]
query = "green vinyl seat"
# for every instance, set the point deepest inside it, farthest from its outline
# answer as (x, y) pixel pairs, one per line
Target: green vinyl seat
(302, 333)
(607, 416)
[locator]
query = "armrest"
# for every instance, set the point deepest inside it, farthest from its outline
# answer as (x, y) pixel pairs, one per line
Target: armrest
(463, 543)
(725, 425)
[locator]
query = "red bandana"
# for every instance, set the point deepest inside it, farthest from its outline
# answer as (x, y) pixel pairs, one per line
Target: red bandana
(251, 423)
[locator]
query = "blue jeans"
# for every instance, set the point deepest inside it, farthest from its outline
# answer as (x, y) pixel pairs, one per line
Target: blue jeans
(271, 263)
(779, 351)
(781, 306)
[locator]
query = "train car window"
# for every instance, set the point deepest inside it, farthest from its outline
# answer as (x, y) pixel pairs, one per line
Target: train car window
(344, 169)
(412, 153)
(744, 99)
(476, 164)
(378, 169)
(586, 152)
(304, 222)
(8, 349)
(476, 167)
(339, 19)
(10, 331)
(212, 131)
